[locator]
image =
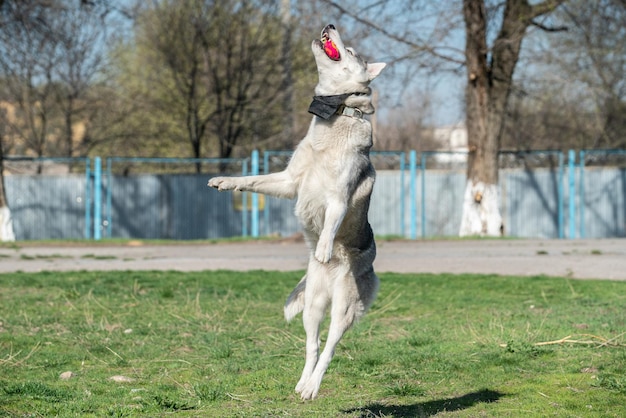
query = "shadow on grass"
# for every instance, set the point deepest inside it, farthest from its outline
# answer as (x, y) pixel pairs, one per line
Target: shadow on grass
(430, 408)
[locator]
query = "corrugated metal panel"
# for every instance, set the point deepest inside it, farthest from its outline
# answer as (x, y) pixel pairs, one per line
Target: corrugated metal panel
(530, 203)
(47, 207)
(604, 205)
(280, 218)
(444, 202)
(137, 209)
(171, 207)
(385, 205)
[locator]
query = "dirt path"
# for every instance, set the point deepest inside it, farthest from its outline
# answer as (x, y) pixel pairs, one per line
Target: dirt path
(602, 259)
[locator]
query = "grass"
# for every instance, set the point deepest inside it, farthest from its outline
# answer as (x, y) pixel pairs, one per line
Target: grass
(215, 344)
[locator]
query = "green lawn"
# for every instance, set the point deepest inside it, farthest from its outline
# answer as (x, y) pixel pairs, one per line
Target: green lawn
(215, 344)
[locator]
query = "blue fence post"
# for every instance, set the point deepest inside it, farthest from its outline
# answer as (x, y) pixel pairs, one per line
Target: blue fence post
(423, 170)
(581, 194)
(244, 203)
(97, 198)
(88, 199)
(402, 195)
(572, 193)
(255, 196)
(560, 198)
(109, 198)
(266, 208)
(413, 194)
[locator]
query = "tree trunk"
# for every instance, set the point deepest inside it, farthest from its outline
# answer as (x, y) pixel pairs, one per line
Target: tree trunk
(69, 129)
(489, 81)
(286, 61)
(481, 215)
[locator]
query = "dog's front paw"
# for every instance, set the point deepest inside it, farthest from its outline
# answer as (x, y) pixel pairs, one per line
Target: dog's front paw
(222, 183)
(324, 251)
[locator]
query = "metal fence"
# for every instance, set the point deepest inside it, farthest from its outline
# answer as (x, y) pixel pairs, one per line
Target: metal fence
(170, 205)
(545, 194)
(50, 198)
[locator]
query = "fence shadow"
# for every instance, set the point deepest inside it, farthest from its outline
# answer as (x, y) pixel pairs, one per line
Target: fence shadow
(430, 408)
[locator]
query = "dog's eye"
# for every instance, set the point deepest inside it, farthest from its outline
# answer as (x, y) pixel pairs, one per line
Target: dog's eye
(350, 51)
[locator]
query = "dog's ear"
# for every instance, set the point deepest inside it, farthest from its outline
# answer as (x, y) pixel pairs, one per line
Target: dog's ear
(374, 69)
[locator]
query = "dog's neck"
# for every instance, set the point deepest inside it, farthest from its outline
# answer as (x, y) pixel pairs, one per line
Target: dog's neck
(326, 107)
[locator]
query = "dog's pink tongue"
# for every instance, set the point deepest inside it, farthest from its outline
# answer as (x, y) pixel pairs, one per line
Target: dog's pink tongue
(331, 50)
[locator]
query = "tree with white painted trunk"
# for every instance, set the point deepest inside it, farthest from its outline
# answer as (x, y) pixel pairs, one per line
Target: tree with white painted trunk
(6, 224)
(489, 82)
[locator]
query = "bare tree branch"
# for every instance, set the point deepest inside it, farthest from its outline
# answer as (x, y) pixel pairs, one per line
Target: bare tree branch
(546, 28)
(418, 47)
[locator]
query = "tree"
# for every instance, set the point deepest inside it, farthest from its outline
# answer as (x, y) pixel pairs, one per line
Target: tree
(214, 71)
(571, 92)
(6, 224)
(41, 66)
(489, 81)
(50, 56)
(21, 71)
(597, 43)
(81, 59)
(28, 58)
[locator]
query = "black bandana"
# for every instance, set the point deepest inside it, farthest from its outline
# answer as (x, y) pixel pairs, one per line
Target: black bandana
(326, 106)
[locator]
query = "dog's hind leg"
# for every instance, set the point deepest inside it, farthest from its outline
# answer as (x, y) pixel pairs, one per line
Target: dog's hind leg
(312, 317)
(315, 302)
(343, 314)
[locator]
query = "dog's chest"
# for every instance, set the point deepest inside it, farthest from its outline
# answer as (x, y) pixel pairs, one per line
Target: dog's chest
(341, 134)
(333, 165)
(332, 154)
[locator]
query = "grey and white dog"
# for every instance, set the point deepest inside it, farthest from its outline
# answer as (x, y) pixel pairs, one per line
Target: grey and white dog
(331, 176)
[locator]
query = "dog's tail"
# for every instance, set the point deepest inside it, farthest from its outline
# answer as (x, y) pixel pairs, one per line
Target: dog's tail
(295, 301)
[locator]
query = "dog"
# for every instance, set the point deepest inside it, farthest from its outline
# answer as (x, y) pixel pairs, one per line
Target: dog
(331, 175)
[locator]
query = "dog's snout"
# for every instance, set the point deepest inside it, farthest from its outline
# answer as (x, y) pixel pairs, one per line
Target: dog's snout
(330, 26)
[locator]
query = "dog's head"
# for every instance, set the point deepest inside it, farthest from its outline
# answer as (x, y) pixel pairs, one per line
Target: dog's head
(341, 70)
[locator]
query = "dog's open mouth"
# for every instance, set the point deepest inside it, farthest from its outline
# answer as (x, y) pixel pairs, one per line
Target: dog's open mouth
(330, 48)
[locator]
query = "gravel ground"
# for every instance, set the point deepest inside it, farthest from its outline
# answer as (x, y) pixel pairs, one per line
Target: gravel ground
(589, 259)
